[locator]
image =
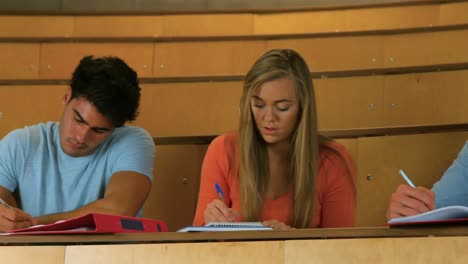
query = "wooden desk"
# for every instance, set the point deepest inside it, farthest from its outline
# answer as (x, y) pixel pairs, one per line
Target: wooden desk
(353, 245)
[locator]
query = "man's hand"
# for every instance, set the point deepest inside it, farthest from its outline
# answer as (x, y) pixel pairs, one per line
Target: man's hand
(406, 201)
(13, 218)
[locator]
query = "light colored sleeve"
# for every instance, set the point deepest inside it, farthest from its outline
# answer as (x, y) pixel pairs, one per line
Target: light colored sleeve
(135, 152)
(452, 188)
(214, 170)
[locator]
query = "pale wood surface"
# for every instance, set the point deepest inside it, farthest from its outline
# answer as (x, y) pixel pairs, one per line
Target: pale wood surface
(21, 26)
(36, 254)
(223, 252)
(379, 250)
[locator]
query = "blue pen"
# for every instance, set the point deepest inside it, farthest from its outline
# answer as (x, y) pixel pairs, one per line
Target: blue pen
(219, 191)
(407, 179)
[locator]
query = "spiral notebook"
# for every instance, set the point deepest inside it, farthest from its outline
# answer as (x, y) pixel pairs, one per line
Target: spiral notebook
(226, 226)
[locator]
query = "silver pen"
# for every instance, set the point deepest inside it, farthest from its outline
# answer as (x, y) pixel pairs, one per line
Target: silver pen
(407, 179)
(4, 203)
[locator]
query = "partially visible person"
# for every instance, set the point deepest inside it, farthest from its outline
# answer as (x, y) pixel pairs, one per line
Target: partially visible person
(89, 161)
(277, 168)
(451, 189)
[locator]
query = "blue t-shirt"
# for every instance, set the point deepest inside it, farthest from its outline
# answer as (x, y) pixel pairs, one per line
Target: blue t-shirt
(49, 181)
(452, 188)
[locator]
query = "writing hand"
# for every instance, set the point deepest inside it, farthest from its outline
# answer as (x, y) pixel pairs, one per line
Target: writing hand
(406, 201)
(276, 225)
(14, 218)
(217, 211)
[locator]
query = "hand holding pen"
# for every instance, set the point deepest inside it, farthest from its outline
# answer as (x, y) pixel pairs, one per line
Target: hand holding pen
(410, 200)
(218, 211)
(13, 218)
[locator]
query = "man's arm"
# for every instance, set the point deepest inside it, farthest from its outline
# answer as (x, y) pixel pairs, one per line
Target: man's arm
(125, 194)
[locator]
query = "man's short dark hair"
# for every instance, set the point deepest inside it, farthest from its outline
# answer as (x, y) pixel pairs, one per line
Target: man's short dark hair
(110, 85)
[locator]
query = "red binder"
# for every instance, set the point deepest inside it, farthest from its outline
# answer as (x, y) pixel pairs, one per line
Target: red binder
(96, 223)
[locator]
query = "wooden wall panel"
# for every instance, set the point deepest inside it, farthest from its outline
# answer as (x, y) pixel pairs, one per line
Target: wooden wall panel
(347, 103)
(432, 250)
(36, 26)
(452, 96)
(391, 18)
(174, 194)
(209, 253)
(418, 49)
(336, 53)
(299, 22)
(411, 99)
(54, 66)
(118, 26)
(19, 61)
(206, 58)
(424, 157)
(29, 104)
(190, 109)
(205, 25)
(33, 254)
(454, 13)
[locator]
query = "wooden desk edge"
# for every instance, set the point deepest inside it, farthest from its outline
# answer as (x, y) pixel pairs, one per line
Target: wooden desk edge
(174, 237)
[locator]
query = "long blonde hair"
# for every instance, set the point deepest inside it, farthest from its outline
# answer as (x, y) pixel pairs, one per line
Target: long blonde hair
(253, 162)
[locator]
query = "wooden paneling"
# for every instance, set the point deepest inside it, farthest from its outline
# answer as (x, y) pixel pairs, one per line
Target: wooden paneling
(36, 254)
(206, 58)
(452, 96)
(174, 193)
(36, 26)
(391, 18)
(205, 25)
(299, 22)
(454, 13)
(344, 103)
(118, 26)
(449, 46)
(336, 53)
(190, 109)
(430, 250)
(19, 61)
(29, 104)
(424, 157)
(209, 253)
(411, 99)
(54, 66)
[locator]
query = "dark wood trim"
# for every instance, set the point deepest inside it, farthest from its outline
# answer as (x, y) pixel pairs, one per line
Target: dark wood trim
(174, 237)
(334, 134)
(204, 10)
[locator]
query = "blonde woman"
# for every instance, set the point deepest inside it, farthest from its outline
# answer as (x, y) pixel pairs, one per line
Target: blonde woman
(277, 168)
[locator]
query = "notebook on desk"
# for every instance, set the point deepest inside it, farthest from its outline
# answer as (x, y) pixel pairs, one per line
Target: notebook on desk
(444, 215)
(93, 223)
(226, 226)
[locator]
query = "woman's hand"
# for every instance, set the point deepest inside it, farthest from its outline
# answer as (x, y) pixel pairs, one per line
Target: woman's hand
(276, 225)
(217, 211)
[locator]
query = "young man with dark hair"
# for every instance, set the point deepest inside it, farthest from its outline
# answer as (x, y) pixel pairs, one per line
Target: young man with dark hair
(89, 161)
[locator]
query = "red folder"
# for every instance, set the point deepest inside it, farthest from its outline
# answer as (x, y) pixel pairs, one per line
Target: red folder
(96, 223)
